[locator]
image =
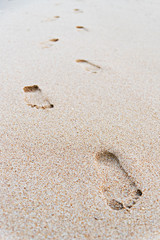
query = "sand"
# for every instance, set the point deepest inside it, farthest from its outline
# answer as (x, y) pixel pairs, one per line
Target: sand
(56, 169)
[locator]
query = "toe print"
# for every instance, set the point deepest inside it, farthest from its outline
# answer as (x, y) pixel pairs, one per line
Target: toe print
(119, 190)
(35, 98)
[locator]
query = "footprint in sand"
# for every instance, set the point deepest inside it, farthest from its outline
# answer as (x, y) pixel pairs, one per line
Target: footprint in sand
(91, 67)
(49, 43)
(77, 10)
(119, 190)
(51, 19)
(82, 28)
(35, 98)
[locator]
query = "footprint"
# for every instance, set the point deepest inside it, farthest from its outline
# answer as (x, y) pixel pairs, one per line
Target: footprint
(77, 10)
(49, 43)
(51, 19)
(81, 27)
(119, 190)
(35, 98)
(91, 67)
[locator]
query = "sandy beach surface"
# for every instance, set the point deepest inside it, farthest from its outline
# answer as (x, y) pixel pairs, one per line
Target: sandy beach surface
(79, 151)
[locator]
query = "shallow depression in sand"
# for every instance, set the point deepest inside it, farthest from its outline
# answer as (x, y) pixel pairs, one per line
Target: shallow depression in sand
(34, 98)
(89, 66)
(119, 190)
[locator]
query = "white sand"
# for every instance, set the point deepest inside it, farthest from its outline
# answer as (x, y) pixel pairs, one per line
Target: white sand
(50, 187)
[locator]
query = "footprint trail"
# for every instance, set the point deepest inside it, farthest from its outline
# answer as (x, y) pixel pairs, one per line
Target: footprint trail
(119, 190)
(34, 97)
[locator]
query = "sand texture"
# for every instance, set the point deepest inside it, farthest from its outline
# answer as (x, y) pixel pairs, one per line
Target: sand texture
(80, 120)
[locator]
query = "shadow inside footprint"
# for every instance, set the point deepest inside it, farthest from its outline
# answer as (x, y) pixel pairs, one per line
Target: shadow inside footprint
(119, 189)
(35, 98)
(115, 205)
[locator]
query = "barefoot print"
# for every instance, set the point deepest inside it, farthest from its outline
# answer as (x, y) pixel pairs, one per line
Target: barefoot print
(91, 67)
(54, 40)
(77, 10)
(34, 97)
(51, 19)
(119, 190)
(49, 43)
(81, 27)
